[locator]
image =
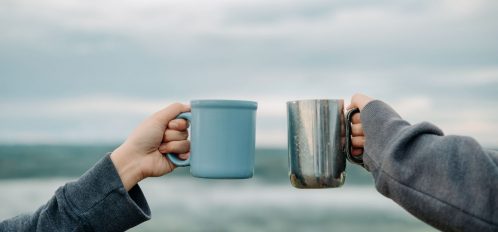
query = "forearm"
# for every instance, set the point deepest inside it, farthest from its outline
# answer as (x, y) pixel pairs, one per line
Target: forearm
(449, 182)
(97, 201)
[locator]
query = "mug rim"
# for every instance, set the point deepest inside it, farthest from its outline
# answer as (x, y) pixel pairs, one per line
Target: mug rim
(316, 100)
(224, 103)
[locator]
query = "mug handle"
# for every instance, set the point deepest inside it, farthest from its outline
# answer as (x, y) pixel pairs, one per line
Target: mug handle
(348, 147)
(173, 158)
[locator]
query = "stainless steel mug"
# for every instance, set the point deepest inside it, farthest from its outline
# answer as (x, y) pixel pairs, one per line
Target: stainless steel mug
(319, 142)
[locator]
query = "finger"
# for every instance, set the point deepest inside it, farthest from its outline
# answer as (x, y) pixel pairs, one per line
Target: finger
(178, 124)
(358, 142)
(359, 101)
(184, 156)
(174, 135)
(356, 118)
(356, 151)
(177, 147)
(357, 129)
(169, 113)
(354, 102)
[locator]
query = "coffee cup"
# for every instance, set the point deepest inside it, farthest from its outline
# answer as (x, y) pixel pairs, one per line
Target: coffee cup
(222, 137)
(319, 141)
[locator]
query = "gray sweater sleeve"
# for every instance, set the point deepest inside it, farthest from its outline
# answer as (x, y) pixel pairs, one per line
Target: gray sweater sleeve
(97, 201)
(449, 182)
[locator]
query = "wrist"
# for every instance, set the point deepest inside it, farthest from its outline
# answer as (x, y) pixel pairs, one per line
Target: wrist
(127, 166)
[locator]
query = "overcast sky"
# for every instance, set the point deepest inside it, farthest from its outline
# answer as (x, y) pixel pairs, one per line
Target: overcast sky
(89, 71)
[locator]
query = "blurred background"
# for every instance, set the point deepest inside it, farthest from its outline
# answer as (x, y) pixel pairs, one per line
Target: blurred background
(77, 76)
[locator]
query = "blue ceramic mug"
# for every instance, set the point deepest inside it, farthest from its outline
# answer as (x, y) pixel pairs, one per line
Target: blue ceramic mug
(222, 134)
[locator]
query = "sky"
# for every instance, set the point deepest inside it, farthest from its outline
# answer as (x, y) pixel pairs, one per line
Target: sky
(88, 72)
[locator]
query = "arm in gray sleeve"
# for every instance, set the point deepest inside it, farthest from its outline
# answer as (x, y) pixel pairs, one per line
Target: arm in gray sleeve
(449, 182)
(97, 201)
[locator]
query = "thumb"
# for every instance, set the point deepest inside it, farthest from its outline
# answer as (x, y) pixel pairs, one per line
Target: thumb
(169, 113)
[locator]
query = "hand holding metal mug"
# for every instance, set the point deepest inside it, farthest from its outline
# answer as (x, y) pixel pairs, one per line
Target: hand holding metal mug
(357, 135)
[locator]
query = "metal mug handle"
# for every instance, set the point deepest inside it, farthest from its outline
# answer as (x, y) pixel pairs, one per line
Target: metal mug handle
(173, 158)
(348, 147)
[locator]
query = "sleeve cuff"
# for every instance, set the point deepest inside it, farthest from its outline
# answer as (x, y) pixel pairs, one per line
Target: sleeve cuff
(375, 114)
(375, 119)
(99, 198)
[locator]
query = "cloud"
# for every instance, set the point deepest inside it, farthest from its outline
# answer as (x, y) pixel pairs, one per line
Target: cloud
(290, 31)
(97, 104)
(416, 105)
(465, 119)
(107, 119)
(67, 66)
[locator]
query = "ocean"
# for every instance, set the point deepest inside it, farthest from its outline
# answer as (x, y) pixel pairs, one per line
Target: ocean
(29, 175)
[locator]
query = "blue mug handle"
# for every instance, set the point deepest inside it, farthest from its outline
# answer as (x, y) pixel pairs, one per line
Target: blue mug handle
(173, 158)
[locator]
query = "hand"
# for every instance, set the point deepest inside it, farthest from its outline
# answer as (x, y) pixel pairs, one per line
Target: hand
(141, 155)
(358, 137)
